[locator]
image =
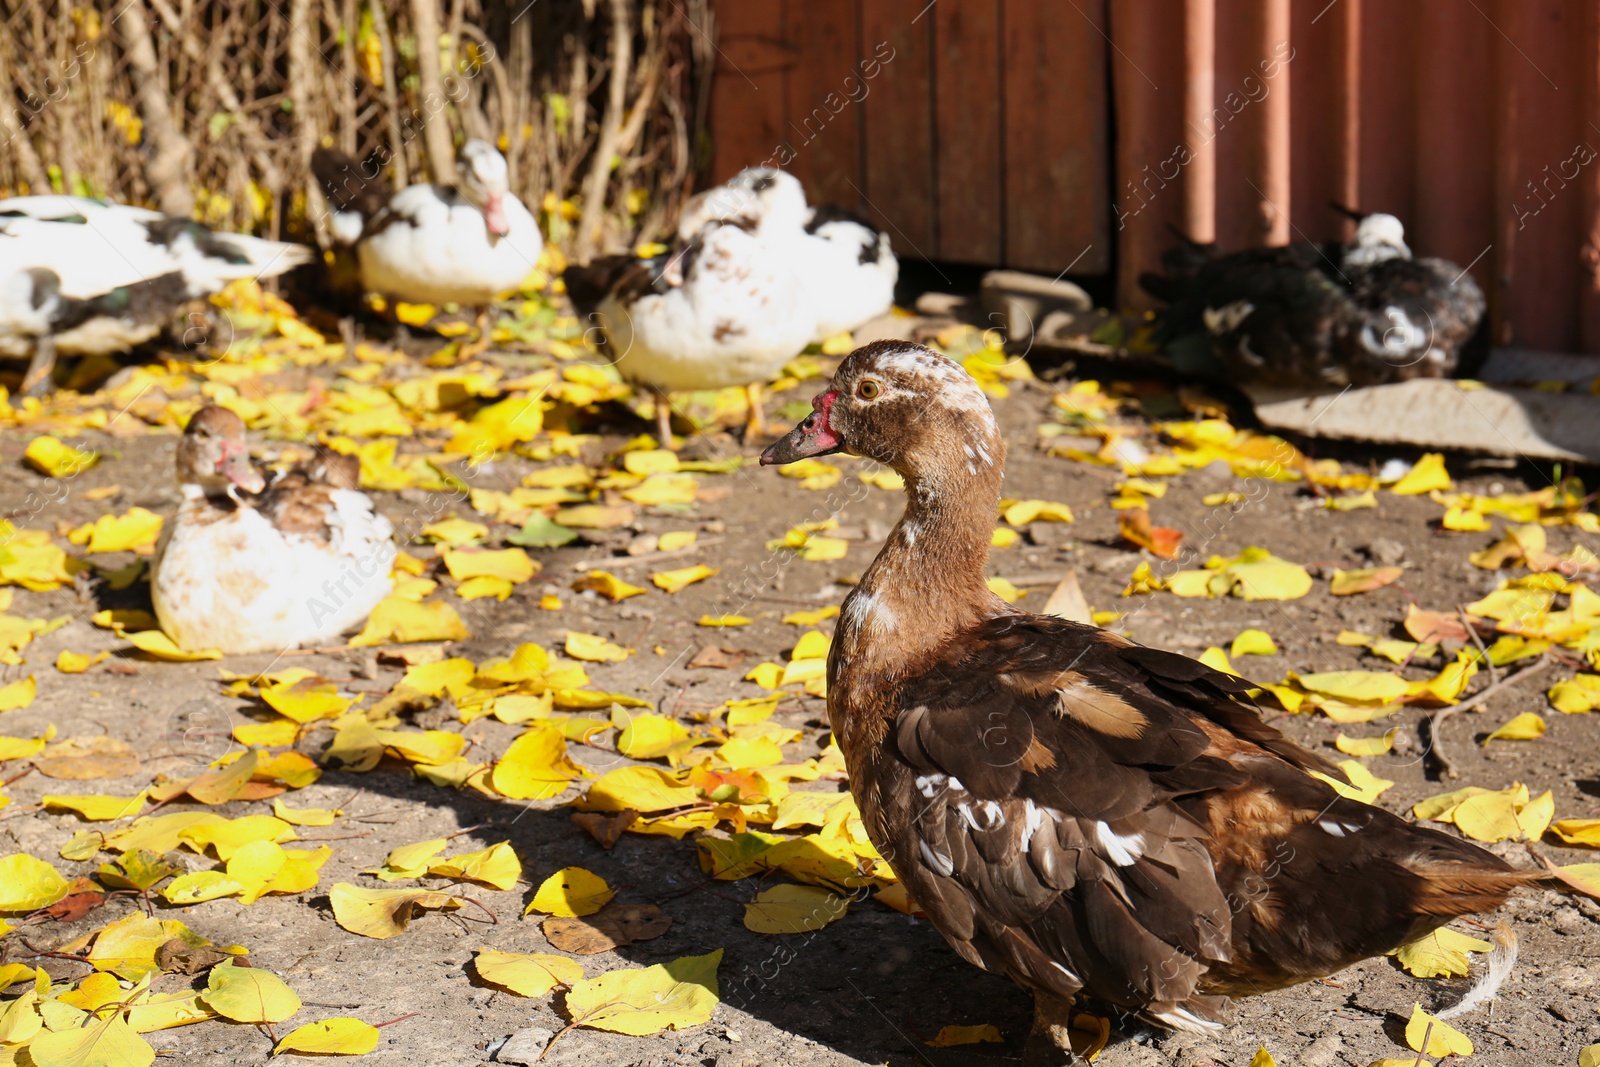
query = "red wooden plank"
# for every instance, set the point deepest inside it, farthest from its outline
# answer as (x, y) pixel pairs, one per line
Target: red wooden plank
(825, 92)
(1589, 274)
(898, 122)
(1542, 70)
(1235, 124)
(1147, 54)
(1454, 214)
(1269, 124)
(1388, 114)
(1057, 120)
(1199, 96)
(1318, 90)
(747, 105)
(967, 117)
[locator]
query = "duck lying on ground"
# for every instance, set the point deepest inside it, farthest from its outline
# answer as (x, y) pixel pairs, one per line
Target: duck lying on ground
(252, 566)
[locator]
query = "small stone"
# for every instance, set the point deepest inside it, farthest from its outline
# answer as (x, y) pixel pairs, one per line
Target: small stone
(1323, 1052)
(525, 1046)
(1386, 551)
(715, 526)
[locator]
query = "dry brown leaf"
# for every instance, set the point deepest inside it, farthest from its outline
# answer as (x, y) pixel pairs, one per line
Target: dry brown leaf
(80, 759)
(606, 829)
(720, 656)
(1431, 627)
(180, 957)
(1068, 602)
(613, 927)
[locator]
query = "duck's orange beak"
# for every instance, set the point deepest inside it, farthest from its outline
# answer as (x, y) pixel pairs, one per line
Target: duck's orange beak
(813, 437)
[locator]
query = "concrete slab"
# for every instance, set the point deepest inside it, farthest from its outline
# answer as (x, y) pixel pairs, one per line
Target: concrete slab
(1441, 414)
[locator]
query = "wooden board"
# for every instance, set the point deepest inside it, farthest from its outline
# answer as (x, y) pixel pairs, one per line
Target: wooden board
(1057, 204)
(898, 119)
(824, 100)
(747, 111)
(968, 103)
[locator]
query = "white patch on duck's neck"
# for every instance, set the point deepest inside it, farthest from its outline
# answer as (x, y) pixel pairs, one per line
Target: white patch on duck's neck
(863, 611)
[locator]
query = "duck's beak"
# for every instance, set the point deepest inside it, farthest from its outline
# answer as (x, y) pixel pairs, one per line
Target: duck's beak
(813, 437)
(235, 466)
(494, 215)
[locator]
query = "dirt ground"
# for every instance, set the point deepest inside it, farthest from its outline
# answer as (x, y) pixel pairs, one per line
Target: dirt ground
(873, 987)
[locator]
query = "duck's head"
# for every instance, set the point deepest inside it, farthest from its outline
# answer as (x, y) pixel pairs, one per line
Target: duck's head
(907, 407)
(763, 199)
(213, 454)
(486, 181)
(1378, 237)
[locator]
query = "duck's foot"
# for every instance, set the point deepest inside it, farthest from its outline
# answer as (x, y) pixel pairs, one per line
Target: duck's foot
(1049, 1042)
(39, 378)
(755, 426)
(663, 407)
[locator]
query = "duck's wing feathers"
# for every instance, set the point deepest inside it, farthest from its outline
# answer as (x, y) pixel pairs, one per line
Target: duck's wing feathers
(1091, 815)
(1408, 318)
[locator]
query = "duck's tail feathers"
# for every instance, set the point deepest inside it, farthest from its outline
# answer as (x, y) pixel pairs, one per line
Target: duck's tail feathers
(590, 283)
(263, 258)
(354, 190)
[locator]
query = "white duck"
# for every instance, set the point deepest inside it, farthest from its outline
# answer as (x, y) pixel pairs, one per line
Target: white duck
(252, 567)
(113, 275)
(723, 309)
(845, 262)
(434, 244)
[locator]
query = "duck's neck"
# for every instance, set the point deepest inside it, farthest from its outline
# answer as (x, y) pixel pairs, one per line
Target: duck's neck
(928, 582)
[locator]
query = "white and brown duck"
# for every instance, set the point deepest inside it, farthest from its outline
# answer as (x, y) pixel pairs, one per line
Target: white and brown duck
(1085, 815)
(252, 566)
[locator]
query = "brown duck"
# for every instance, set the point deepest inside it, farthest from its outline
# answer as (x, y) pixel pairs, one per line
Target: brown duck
(1071, 809)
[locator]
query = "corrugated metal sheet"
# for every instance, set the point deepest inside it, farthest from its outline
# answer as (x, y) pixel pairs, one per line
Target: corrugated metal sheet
(1071, 134)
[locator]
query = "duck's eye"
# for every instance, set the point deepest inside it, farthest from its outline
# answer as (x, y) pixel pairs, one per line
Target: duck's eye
(868, 389)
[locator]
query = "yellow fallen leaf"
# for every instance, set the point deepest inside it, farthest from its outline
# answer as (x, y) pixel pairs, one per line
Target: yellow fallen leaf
(1527, 726)
(28, 883)
(418, 315)
(1253, 643)
(640, 788)
(594, 517)
(674, 581)
(1487, 817)
(650, 736)
(249, 994)
(1440, 954)
(305, 702)
(535, 766)
(1364, 785)
(1003, 589)
(1585, 832)
(1004, 537)
(1465, 519)
(594, 649)
(723, 620)
(607, 585)
(650, 461)
(1442, 1038)
(227, 836)
(1349, 583)
(455, 532)
(49, 456)
(793, 909)
(157, 644)
(884, 478)
(135, 531)
(643, 1001)
(339, 1036)
(18, 694)
(303, 816)
(1217, 660)
(1589, 1056)
(23, 747)
(1364, 746)
(108, 1041)
(1577, 694)
(1357, 687)
(95, 808)
(509, 564)
(77, 662)
(400, 620)
(496, 866)
(1022, 512)
(1426, 475)
(570, 892)
(527, 974)
(950, 1036)
(382, 913)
